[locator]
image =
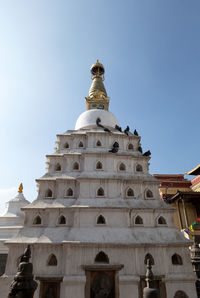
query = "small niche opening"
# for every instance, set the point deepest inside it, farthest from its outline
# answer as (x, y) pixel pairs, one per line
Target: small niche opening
(48, 193)
(177, 260)
(130, 192)
(80, 145)
(57, 167)
(139, 168)
(122, 167)
(98, 144)
(149, 194)
(100, 192)
(37, 220)
(138, 220)
(151, 259)
(101, 257)
(69, 192)
(130, 146)
(52, 260)
(101, 220)
(62, 220)
(99, 166)
(161, 221)
(76, 166)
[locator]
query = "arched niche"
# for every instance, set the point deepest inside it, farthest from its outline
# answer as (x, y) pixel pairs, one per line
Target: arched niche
(180, 294)
(76, 166)
(61, 220)
(161, 220)
(37, 220)
(130, 192)
(57, 167)
(98, 143)
(149, 256)
(69, 192)
(66, 145)
(80, 145)
(101, 257)
(122, 167)
(99, 166)
(138, 220)
(139, 168)
(176, 259)
(130, 147)
(52, 260)
(101, 220)
(48, 193)
(149, 194)
(100, 192)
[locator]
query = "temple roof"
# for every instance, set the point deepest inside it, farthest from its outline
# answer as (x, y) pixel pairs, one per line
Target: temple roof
(191, 196)
(195, 171)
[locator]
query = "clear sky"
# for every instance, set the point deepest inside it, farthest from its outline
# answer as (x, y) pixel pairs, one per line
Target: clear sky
(151, 53)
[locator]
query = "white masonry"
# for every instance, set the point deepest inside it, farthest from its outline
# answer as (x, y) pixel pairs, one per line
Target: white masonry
(98, 216)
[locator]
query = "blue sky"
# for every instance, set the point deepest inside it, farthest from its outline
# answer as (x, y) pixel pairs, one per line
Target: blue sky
(151, 53)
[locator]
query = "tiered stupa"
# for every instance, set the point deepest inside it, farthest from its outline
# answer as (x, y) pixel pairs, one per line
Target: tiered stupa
(98, 218)
(11, 222)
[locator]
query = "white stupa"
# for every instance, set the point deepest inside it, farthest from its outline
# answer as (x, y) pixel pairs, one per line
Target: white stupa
(11, 222)
(98, 216)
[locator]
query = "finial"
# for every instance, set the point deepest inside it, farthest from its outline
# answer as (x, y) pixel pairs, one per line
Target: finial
(149, 273)
(97, 70)
(20, 189)
(97, 97)
(149, 291)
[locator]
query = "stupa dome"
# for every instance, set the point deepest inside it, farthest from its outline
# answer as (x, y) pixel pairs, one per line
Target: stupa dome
(88, 119)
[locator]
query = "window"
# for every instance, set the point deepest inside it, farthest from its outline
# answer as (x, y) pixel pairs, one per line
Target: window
(139, 168)
(130, 146)
(69, 192)
(48, 193)
(149, 194)
(122, 167)
(100, 192)
(101, 220)
(80, 145)
(98, 144)
(101, 257)
(52, 260)
(62, 220)
(161, 221)
(37, 220)
(75, 166)
(149, 256)
(177, 260)
(138, 220)
(180, 294)
(130, 192)
(99, 166)
(57, 167)
(3, 259)
(66, 145)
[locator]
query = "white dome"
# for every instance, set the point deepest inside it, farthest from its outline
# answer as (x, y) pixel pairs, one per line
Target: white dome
(88, 119)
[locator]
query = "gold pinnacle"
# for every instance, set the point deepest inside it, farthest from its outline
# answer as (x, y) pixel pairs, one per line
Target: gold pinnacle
(20, 190)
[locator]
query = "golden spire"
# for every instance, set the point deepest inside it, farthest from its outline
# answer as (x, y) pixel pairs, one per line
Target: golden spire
(20, 189)
(97, 98)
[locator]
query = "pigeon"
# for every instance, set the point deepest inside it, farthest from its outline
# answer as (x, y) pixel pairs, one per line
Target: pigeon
(147, 153)
(118, 128)
(126, 130)
(115, 148)
(106, 129)
(135, 132)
